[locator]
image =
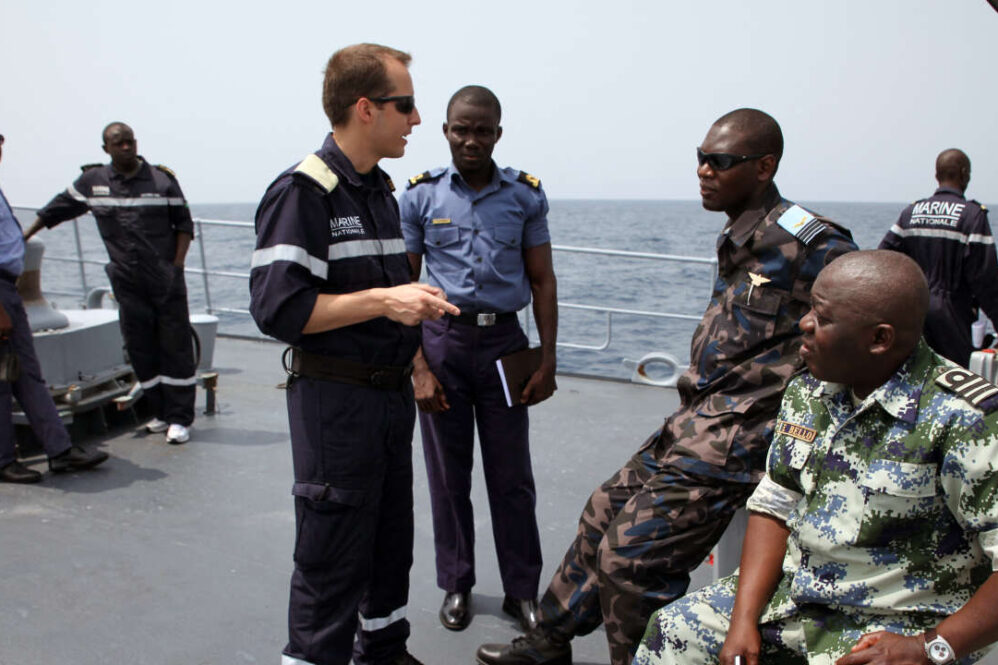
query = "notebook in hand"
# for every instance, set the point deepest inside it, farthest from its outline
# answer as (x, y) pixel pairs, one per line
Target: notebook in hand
(515, 370)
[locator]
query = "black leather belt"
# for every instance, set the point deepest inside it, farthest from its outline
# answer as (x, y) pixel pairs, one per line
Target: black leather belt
(482, 319)
(330, 368)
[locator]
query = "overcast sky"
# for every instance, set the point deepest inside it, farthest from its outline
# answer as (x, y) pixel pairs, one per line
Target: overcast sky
(600, 99)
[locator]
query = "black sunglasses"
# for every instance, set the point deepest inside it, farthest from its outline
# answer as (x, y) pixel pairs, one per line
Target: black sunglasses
(722, 161)
(404, 104)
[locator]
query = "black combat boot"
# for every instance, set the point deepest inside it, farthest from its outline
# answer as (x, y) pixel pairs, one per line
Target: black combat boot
(538, 647)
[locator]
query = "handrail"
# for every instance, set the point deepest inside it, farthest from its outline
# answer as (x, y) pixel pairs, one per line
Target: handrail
(212, 307)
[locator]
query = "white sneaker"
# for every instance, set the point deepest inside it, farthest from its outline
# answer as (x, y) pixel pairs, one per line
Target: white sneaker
(155, 426)
(178, 434)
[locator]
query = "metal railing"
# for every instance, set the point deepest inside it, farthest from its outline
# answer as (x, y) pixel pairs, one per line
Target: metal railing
(212, 308)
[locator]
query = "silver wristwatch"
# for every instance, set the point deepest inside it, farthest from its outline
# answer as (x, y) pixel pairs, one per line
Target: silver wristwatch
(937, 649)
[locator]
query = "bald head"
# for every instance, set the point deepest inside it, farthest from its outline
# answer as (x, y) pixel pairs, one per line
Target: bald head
(476, 95)
(882, 286)
(760, 132)
(953, 169)
(115, 127)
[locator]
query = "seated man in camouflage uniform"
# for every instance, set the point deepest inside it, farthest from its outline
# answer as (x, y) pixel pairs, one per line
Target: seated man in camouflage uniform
(873, 537)
(657, 518)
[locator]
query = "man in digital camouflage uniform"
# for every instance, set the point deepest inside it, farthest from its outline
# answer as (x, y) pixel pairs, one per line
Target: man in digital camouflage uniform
(658, 517)
(873, 537)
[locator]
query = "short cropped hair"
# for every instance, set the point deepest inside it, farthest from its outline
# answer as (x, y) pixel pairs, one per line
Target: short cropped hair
(476, 95)
(354, 72)
(762, 133)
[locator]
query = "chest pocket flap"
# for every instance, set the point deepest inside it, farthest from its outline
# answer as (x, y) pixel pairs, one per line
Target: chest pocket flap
(442, 237)
(763, 300)
(904, 479)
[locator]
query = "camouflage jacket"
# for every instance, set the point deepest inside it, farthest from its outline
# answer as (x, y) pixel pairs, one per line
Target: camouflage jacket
(745, 349)
(892, 504)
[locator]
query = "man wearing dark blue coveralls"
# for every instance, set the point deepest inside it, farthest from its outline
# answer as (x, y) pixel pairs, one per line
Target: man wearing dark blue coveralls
(950, 238)
(330, 277)
(483, 230)
(29, 387)
(146, 227)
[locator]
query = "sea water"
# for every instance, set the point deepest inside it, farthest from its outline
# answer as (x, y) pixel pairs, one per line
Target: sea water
(646, 285)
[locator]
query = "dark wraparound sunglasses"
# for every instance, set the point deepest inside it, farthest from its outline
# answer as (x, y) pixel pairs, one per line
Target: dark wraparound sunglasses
(722, 161)
(404, 104)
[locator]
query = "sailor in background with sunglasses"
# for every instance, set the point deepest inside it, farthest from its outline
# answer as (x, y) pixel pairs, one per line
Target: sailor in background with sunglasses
(330, 277)
(484, 232)
(658, 517)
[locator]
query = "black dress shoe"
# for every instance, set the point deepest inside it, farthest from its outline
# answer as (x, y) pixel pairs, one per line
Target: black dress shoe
(524, 611)
(454, 613)
(76, 458)
(535, 648)
(15, 472)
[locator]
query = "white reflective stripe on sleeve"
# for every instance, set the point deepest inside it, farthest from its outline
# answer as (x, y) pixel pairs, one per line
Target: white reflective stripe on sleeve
(354, 248)
(773, 499)
(943, 233)
(75, 194)
(169, 381)
(989, 543)
(141, 202)
(288, 660)
(267, 255)
(382, 622)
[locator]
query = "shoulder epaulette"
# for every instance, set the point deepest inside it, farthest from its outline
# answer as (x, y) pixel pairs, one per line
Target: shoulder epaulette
(87, 167)
(529, 179)
(388, 181)
(316, 170)
(425, 176)
(168, 171)
(973, 388)
(801, 224)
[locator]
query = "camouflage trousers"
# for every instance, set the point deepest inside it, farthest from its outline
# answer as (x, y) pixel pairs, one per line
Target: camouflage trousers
(640, 535)
(692, 630)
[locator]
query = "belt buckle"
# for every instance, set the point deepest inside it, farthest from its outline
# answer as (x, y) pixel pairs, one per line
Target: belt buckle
(486, 319)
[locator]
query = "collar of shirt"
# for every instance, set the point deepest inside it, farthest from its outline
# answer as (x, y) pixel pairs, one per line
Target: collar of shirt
(899, 396)
(499, 176)
(742, 228)
(331, 154)
(142, 174)
(949, 190)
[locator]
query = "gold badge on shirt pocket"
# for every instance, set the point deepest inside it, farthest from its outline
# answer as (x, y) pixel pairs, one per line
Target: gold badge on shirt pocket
(443, 220)
(795, 431)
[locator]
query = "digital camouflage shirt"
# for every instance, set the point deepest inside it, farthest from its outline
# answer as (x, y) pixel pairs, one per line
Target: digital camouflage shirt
(892, 505)
(745, 349)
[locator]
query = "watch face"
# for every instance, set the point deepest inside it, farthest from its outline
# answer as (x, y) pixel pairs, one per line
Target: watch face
(939, 652)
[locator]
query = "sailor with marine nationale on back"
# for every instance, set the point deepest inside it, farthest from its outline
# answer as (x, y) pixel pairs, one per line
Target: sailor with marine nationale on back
(330, 277)
(658, 517)
(147, 228)
(483, 232)
(950, 237)
(873, 537)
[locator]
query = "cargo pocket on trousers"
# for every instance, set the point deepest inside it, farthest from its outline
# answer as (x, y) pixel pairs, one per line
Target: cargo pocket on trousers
(327, 520)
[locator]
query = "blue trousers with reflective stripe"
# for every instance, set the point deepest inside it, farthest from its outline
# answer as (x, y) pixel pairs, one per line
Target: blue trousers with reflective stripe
(352, 453)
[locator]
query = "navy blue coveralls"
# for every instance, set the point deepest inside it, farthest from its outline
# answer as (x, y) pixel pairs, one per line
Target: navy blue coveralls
(139, 218)
(473, 243)
(30, 388)
(324, 229)
(950, 238)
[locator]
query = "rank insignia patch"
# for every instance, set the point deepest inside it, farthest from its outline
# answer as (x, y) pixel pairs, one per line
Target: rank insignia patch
(805, 434)
(966, 384)
(801, 223)
(442, 220)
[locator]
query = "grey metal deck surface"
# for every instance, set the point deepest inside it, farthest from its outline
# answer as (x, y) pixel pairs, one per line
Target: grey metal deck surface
(181, 555)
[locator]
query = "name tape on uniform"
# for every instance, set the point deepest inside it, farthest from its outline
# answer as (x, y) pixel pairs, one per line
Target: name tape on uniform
(795, 431)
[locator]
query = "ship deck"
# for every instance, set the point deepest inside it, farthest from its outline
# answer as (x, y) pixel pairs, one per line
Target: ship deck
(177, 555)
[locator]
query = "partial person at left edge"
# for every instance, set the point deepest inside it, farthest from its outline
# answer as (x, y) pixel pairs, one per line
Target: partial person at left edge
(28, 386)
(147, 228)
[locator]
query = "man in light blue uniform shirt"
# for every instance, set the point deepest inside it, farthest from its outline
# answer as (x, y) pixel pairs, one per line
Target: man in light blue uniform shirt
(29, 387)
(483, 231)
